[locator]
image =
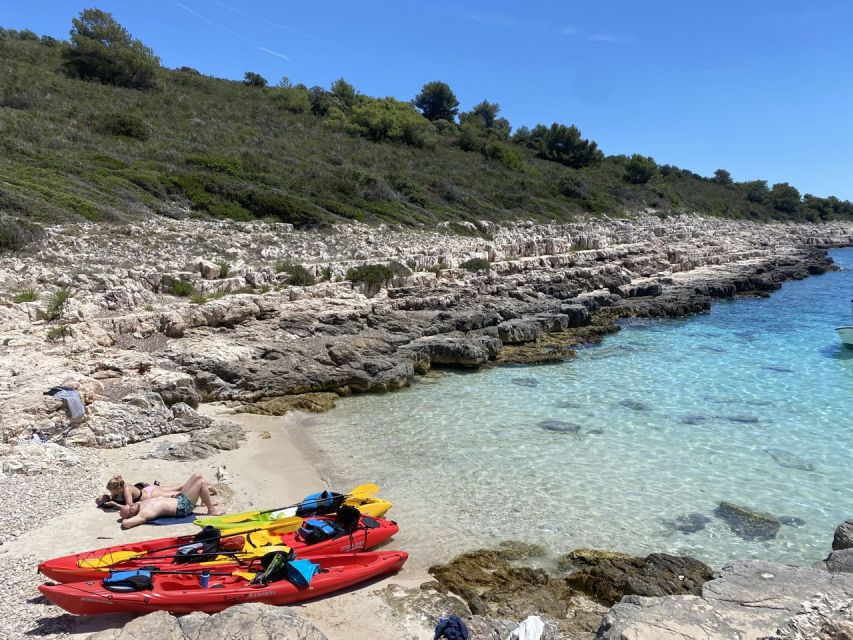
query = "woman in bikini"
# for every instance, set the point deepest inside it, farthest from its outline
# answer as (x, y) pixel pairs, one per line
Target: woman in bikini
(121, 493)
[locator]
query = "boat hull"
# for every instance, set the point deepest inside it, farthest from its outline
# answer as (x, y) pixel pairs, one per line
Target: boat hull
(370, 533)
(184, 594)
(846, 335)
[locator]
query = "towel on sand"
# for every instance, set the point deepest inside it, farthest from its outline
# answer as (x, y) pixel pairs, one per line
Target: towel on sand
(160, 522)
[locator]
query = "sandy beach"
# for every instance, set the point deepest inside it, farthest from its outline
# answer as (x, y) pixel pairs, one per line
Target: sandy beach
(267, 471)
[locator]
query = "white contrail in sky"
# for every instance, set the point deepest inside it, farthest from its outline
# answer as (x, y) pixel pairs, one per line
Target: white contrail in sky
(274, 53)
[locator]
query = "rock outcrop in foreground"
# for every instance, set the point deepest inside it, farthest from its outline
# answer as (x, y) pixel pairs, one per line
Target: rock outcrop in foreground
(254, 620)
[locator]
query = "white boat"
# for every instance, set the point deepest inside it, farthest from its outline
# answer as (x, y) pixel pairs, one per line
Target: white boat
(846, 334)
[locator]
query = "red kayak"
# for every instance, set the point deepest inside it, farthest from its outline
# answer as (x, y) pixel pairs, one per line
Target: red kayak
(185, 593)
(92, 565)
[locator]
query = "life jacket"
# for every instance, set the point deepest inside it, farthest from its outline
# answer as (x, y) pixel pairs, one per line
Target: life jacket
(318, 504)
(128, 581)
(314, 531)
(280, 565)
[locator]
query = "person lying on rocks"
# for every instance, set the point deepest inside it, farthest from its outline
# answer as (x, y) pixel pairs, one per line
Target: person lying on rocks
(121, 493)
(179, 506)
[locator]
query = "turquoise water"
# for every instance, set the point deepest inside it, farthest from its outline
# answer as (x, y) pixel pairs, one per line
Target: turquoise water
(665, 418)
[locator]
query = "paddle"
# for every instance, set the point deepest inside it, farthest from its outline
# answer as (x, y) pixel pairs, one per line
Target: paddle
(255, 552)
(361, 491)
(111, 558)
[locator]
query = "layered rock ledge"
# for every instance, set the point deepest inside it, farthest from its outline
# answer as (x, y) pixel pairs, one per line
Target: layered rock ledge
(143, 357)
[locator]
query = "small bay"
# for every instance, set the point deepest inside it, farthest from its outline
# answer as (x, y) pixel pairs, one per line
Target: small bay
(631, 446)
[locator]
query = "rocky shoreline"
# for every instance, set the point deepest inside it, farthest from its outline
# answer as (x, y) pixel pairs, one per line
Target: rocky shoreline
(253, 341)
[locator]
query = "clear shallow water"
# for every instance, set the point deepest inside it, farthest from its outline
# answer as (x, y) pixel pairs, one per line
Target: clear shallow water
(673, 416)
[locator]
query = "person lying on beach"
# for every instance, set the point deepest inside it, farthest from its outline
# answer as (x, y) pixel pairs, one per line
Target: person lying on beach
(179, 506)
(121, 493)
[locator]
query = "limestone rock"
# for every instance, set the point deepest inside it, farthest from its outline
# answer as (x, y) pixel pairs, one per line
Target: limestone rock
(254, 621)
(33, 458)
(608, 577)
(280, 405)
(750, 599)
(840, 561)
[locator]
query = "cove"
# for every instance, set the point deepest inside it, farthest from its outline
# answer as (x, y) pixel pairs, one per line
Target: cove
(631, 446)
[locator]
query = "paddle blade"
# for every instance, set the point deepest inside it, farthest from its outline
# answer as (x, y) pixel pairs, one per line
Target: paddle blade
(282, 525)
(364, 491)
(109, 559)
(235, 518)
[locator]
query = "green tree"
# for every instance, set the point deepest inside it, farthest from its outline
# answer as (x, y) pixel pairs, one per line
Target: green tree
(390, 119)
(103, 50)
(563, 144)
(295, 99)
(252, 79)
(344, 93)
(640, 169)
(721, 176)
(504, 153)
(756, 190)
(784, 197)
(437, 102)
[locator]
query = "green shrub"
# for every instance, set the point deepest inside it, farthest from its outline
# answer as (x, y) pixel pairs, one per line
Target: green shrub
(372, 274)
(58, 333)
(253, 79)
(297, 275)
(475, 264)
(507, 155)
(224, 268)
(16, 233)
(121, 124)
(25, 295)
(55, 302)
(640, 169)
(218, 164)
(197, 297)
(182, 288)
(390, 119)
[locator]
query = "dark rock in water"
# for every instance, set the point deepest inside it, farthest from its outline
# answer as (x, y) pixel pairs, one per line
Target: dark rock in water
(595, 432)
(843, 538)
(792, 521)
(773, 367)
(489, 584)
(705, 347)
(695, 419)
(636, 405)
(749, 336)
(739, 419)
(515, 550)
(607, 577)
(568, 404)
(789, 460)
(688, 522)
(747, 523)
(559, 426)
(525, 382)
(840, 561)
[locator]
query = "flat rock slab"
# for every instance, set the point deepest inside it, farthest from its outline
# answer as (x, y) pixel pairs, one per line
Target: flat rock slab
(750, 600)
(748, 523)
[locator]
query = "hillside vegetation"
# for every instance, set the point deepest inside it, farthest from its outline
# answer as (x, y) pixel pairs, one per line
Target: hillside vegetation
(96, 129)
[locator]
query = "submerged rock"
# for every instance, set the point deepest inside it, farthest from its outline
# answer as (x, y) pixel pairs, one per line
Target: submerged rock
(739, 419)
(789, 460)
(693, 419)
(635, 405)
(560, 426)
(525, 382)
(777, 369)
(792, 521)
(840, 561)
(568, 404)
(607, 577)
(688, 523)
(747, 523)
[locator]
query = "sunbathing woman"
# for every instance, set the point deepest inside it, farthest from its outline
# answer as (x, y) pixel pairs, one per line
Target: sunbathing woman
(122, 493)
(179, 506)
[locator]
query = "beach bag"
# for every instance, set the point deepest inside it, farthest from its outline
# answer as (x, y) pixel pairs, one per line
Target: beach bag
(318, 504)
(314, 531)
(205, 546)
(128, 581)
(348, 518)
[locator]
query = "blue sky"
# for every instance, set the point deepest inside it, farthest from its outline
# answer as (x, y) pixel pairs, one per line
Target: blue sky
(763, 88)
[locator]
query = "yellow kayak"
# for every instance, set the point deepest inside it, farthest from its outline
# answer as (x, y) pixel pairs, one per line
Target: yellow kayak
(360, 497)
